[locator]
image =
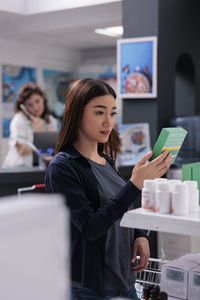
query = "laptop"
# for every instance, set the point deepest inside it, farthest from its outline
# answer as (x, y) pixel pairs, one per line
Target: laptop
(44, 140)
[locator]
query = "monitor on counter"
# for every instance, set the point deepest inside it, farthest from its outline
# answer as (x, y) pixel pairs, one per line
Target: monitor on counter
(43, 141)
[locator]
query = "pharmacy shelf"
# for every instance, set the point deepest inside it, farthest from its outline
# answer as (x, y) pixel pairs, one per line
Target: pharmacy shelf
(140, 218)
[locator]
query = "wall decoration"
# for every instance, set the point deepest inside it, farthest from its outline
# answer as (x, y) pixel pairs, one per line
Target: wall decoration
(135, 140)
(137, 67)
(13, 77)
(56, 84)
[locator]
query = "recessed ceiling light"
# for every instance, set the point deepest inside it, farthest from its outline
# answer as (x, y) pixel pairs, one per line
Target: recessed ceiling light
(116, 31)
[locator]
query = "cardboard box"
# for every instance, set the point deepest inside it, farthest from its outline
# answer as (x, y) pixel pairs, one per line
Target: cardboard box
(194, 284)
(169, 139)
(187, 172)
(196, 173)
(192, 172)
(175, 277)
(191, 257)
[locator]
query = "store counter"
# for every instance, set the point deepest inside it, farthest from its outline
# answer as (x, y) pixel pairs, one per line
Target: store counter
(13, 178)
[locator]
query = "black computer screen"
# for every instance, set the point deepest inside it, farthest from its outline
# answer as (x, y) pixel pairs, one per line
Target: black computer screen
(43, 141)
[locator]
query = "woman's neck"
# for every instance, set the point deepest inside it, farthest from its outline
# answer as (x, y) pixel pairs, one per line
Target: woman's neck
(90, 151)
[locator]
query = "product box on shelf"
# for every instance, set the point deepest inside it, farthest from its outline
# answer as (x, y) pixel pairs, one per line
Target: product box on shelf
(194, 284)
(196, 173)
(191, 257)
(170, 139)
(187, 172)
(191, 172)
(175, 277)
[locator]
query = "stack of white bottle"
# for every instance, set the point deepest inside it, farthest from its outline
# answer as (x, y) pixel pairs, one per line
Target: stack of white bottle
(170, 196)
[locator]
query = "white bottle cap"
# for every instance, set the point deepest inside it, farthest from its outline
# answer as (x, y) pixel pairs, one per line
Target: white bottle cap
(149, 184)
(172, 182)
(180, 187)
(191, 184)
(160, 179)
(162, 186)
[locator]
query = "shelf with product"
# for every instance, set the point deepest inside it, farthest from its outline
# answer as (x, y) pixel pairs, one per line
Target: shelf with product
(140, 218)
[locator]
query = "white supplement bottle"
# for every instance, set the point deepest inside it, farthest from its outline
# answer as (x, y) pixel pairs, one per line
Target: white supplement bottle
(193, 195)
(180, 202)
(156, 180)
(160, 179)
(162, 197)
(148, 195)
(172, 182)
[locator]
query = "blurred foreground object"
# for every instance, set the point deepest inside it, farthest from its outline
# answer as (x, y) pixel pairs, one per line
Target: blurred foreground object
(34, 252)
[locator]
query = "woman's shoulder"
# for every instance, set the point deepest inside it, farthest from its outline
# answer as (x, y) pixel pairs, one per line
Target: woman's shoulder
(52, 118)
(60, 156)
(63, 163)
(61, 159)
(19, 117)
(69, 157)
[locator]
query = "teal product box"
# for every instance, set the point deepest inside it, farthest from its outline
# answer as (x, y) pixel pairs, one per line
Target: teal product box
(170, 139)
(192, 172)
(186, 172)
(196, 173)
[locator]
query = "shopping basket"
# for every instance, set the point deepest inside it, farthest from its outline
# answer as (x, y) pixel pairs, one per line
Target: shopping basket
(36, 187)
(150, 276)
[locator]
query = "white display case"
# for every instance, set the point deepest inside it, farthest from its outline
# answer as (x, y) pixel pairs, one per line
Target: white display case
(140, 218)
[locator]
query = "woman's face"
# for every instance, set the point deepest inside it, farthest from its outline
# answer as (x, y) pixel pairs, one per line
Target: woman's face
(35, 105)
(98, 119)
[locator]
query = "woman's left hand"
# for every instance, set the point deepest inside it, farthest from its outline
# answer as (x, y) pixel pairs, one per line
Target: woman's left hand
(153, 169)
(141, 247)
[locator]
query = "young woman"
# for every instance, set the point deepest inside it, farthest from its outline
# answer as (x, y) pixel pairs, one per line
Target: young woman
(102, 251)
(32, 114)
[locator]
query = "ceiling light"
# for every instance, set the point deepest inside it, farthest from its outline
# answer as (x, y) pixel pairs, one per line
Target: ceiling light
(116, 31)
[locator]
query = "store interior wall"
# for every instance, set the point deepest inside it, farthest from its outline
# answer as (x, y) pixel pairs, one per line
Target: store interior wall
(178, 60)
(177, 26)
(34, 55)
(176, 46)
(105, 55)
(185, 86)
(140, 19)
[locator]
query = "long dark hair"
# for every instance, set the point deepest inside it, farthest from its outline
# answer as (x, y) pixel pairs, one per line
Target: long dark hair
(113, 146)
(25, 92)
(80, 94)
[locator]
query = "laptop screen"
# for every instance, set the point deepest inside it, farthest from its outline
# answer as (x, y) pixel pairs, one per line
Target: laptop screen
(43, 141)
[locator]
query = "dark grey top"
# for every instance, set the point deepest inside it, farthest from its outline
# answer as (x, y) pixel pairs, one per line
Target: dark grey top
(118, 271)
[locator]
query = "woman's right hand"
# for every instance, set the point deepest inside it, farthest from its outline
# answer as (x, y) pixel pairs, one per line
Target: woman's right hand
(150, 170)
(23, 149)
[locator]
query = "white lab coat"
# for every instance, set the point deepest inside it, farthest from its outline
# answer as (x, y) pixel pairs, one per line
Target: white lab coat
(21, 130)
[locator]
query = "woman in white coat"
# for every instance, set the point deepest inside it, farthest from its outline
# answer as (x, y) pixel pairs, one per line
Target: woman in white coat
(32, 114)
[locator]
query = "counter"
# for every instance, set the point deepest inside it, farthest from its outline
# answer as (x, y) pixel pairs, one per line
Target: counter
(13, 178)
